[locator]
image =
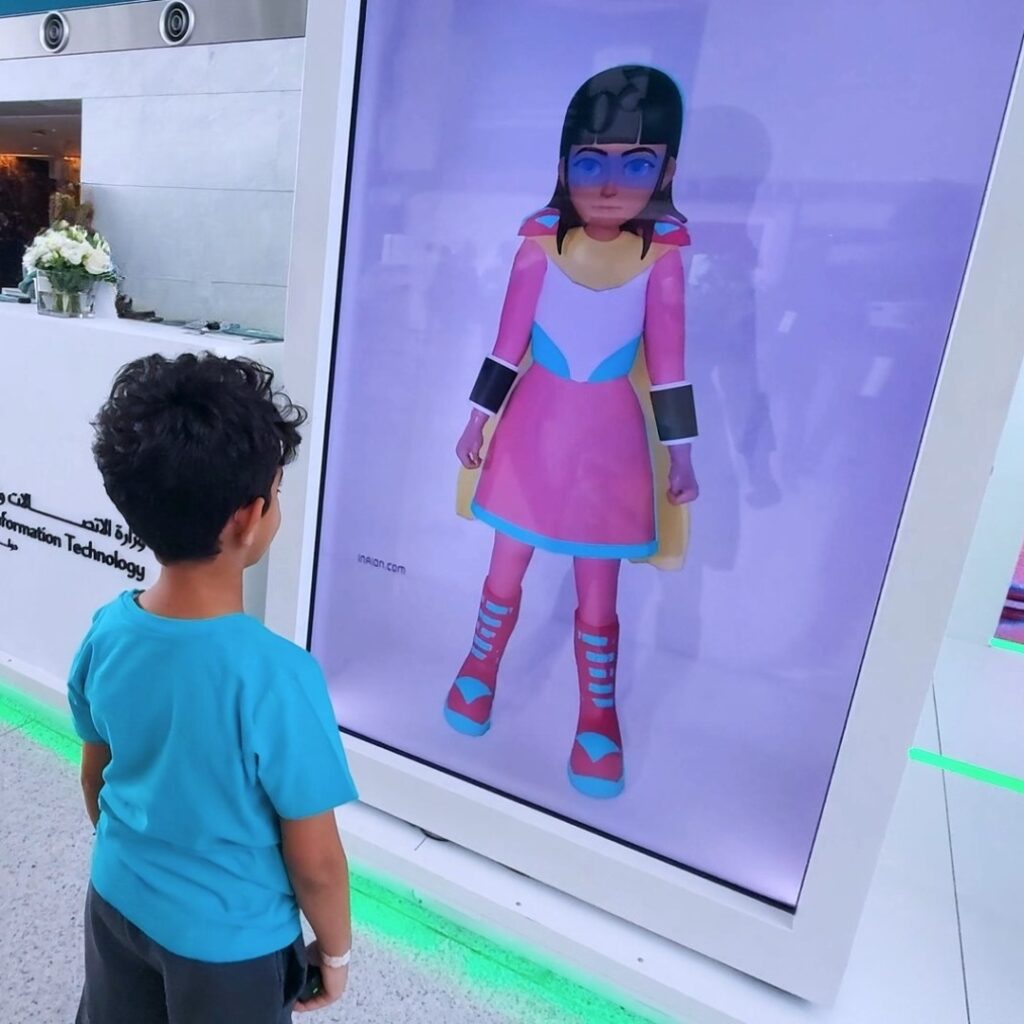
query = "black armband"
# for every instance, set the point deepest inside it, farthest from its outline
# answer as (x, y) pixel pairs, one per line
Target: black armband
(675, 413)
(492, 385)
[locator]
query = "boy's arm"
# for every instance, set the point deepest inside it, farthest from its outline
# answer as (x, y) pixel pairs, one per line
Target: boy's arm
(318, 869)
(303, 770)
(95, 758)
(95, 752)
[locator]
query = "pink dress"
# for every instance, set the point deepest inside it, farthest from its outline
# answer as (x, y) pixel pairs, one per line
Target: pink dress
(569, 467)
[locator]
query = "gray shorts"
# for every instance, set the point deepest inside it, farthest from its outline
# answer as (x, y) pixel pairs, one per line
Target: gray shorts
(129, 979)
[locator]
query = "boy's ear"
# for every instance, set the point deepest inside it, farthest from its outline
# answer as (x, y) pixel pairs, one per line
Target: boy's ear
(246, 521)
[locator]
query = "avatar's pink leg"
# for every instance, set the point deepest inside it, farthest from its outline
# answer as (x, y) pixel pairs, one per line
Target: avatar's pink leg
(509, 561)
(469, 703)
(596, 766)
(597, 586)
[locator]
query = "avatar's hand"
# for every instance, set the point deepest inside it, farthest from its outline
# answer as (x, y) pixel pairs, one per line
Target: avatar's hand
(472, 441)
(682, 481)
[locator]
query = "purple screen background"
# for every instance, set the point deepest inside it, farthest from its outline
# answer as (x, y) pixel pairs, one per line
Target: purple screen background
(833, 164)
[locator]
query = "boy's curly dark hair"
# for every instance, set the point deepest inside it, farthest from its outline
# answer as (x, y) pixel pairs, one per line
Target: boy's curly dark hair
(183, 443)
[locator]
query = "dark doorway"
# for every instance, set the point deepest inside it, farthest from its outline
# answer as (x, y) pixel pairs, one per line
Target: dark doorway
(25, 189)
(40, 152)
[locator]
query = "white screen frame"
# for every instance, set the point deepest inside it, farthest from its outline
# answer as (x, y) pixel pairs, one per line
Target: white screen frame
(803, 953)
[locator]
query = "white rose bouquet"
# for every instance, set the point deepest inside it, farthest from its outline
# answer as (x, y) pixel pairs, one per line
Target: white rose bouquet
(72, 258)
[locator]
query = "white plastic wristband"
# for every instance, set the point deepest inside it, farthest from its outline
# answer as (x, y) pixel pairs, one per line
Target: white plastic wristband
(335, 963)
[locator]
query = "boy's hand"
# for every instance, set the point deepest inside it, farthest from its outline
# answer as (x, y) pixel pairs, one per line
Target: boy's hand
(335, 981)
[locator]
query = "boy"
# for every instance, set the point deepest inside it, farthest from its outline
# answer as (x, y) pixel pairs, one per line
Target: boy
(211, 763)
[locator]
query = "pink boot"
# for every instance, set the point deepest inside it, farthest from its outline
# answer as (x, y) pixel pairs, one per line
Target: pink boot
(596, 766)
(468, 708)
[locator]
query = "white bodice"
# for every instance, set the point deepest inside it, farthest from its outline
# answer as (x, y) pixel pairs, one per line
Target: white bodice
(588, 326)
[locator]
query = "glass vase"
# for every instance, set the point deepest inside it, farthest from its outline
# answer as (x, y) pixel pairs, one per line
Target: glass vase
(70, 304)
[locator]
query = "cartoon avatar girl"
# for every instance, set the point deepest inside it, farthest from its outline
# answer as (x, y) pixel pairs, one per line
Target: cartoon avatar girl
(596, 296)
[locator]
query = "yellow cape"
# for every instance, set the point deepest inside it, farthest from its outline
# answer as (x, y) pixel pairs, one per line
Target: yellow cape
(673, 521)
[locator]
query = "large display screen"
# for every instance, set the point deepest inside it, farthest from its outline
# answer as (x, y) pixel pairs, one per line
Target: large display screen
(641, 310)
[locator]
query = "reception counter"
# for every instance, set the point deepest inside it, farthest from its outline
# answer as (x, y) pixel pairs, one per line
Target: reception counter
(64, 550)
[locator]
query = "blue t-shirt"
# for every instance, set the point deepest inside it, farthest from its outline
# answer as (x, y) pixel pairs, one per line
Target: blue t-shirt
(217, 728)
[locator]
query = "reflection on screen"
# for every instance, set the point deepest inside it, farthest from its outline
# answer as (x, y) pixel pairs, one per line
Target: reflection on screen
(1011, 623)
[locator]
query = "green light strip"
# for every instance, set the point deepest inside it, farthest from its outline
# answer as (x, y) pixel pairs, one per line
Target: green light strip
(1006, 645)
(515, 982)
(968, 770)
(45, 725)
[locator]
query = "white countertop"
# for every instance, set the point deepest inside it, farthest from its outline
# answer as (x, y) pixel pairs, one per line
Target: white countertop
(19, 320)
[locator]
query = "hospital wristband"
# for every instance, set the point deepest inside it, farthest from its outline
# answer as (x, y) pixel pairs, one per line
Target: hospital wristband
(335, 963)
(493, 385)
(675, 412)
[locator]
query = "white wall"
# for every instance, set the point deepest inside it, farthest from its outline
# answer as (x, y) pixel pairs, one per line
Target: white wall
(48, 592)
(189, 156)
(997, 536)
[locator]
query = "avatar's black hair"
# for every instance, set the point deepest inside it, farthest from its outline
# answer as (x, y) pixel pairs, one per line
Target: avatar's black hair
(621, 105)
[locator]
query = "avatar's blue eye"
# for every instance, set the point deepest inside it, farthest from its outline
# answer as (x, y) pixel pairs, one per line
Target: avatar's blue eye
(638, 168)
(587, 167)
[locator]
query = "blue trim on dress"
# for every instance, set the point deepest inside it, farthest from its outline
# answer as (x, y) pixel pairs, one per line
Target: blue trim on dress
(546, 353)
(618, 364)
(563, 547)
